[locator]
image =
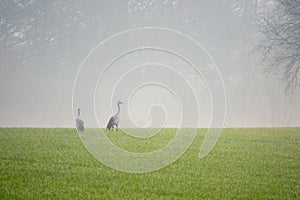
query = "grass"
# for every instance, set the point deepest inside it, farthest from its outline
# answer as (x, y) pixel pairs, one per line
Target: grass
(258, 163)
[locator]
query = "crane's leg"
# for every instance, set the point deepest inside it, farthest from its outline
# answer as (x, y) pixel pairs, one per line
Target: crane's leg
(117, 127)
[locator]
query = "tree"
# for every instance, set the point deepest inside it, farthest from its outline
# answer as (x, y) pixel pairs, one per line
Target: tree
(280, 42)
(30, 29)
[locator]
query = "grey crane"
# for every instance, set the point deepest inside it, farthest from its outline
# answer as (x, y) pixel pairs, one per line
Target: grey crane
(79, 122)
(114, 120)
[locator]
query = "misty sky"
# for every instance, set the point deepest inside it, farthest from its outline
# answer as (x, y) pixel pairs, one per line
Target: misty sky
(44, 43)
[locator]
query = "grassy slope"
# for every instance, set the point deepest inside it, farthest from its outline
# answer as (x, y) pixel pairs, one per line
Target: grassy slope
(246, 163)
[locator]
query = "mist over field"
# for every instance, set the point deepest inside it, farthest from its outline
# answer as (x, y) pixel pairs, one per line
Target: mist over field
(149, 99)
(44, 43)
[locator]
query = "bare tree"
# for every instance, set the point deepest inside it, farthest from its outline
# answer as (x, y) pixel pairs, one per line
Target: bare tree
(280, 43)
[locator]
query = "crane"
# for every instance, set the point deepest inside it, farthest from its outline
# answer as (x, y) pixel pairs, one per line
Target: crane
(115, 119)
(79, 122)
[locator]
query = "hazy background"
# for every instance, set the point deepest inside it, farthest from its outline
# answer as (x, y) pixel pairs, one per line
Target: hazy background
(43, 43)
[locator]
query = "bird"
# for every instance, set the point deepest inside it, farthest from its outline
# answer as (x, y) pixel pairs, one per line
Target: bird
(79, 122)
(115, 119)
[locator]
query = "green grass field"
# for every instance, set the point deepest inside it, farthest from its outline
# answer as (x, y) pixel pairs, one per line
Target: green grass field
(258, 163)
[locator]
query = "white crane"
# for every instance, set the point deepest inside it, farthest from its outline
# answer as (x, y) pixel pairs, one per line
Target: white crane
(114, 120)
(79, 123)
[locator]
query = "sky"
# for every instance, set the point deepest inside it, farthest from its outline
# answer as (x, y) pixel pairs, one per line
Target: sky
(196, 67)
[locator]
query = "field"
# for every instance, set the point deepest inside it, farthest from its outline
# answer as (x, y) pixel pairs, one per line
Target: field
(257, 163)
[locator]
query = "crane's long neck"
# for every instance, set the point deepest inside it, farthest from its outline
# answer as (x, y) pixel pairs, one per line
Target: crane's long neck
(118, 109)
(78, 113)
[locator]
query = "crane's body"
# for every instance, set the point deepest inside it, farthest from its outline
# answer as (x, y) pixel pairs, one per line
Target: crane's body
(115, 119)
(79, 122)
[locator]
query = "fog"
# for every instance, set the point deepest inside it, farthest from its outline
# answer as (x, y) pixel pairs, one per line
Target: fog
(55, 57)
